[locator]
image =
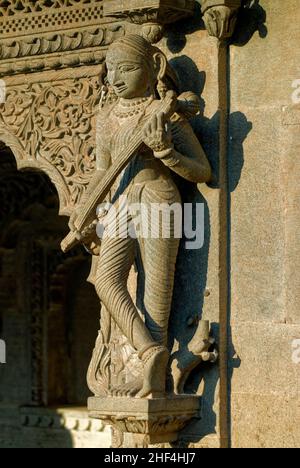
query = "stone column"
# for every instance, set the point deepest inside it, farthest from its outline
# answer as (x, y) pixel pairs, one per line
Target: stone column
(220, 19)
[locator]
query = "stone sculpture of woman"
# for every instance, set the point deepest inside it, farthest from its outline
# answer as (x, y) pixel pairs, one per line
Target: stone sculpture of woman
(140, 76)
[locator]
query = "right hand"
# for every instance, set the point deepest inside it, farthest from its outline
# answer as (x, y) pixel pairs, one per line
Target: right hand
(157, 134)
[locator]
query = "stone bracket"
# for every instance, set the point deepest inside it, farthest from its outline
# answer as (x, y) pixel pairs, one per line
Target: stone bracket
(155, 420)
(220, 17)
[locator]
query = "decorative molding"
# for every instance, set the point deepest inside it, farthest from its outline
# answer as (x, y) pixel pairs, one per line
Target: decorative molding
(51, 62)
(220, 17)
(153, 426)
(45, 35)
(13, 7)
(59, 42)
(57, 51)
(26, 17)
(70, 419)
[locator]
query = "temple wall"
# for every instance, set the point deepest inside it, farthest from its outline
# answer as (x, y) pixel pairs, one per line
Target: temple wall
(265, 255)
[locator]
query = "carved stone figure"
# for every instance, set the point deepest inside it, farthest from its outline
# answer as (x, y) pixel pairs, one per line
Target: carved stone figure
(142, 130)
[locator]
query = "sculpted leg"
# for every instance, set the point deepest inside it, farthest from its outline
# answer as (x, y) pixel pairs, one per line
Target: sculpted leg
(159, 261)
(116, 259)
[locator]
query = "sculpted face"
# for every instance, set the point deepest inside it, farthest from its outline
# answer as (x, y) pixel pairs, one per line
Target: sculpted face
(128, 73)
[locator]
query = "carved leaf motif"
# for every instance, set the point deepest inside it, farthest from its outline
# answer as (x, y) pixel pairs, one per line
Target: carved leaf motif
(58, 42)
(55, 123)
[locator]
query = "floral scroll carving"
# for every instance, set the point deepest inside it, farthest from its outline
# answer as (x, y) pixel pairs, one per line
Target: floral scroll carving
(53, 123)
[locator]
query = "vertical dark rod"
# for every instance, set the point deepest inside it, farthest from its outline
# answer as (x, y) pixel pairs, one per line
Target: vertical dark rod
(223, 74)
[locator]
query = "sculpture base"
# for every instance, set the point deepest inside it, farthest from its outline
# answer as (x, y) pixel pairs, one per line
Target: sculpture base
(155, 421)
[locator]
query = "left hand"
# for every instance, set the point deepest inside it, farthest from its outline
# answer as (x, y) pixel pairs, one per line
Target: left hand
(157, 133)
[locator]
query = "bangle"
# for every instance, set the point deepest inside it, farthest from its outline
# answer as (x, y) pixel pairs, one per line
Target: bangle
(167, 157)
(164, 153)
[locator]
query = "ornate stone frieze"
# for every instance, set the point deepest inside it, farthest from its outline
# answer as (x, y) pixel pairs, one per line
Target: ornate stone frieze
(54, 61)
(13, 7)
(58, 42)
(55, 51)
(26, 17)
(48, 35)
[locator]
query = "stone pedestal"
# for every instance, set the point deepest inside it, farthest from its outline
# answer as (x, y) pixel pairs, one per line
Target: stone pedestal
(150, 421)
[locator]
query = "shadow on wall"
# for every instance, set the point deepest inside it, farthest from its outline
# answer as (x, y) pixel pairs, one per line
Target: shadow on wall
(177, 32)
(252, 17)
(192, 265)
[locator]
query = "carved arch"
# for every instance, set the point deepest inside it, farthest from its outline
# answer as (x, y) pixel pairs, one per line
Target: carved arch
(25, 162)
(49, 124)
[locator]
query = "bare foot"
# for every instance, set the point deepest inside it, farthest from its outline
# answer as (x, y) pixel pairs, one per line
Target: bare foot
(155, 369)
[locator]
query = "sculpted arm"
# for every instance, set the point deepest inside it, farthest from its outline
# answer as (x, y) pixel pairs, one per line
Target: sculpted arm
(179, 149)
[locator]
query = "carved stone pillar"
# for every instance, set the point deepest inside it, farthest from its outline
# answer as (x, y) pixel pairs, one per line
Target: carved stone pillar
(220, 18)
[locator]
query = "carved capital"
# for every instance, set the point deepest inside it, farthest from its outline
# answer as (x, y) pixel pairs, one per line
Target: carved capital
(151, 14)
(220, 17)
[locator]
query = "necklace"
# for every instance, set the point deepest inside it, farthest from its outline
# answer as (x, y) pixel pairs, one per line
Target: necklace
(125, 109)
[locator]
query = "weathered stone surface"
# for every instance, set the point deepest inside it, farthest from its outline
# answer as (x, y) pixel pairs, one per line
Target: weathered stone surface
(257, 208)
(265, 421)
(291, 174)
(263, 356)
(264, 240)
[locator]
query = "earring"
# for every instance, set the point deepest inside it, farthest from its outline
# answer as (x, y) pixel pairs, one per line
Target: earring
(162, 89)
